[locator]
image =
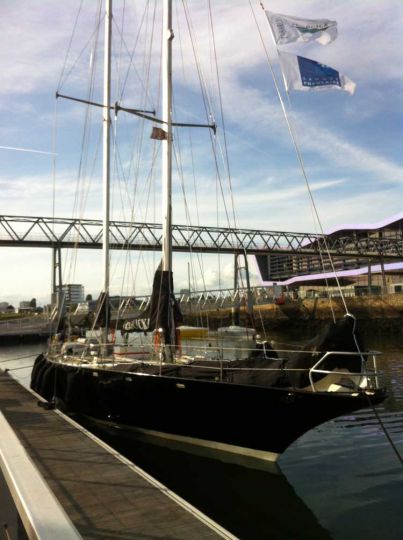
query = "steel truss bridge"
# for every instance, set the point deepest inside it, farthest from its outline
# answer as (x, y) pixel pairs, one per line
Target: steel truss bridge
(284, 253)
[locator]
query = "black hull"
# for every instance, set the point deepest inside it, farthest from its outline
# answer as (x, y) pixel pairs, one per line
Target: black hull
(261, 419)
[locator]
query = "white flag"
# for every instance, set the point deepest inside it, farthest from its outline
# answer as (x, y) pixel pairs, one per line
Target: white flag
(288, 29)
(305, 74)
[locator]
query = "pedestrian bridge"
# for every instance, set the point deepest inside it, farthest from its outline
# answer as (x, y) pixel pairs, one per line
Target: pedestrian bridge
(280, 254)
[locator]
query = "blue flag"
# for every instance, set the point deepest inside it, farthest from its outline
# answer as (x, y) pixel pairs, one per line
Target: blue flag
(305, 74)
(315, 74)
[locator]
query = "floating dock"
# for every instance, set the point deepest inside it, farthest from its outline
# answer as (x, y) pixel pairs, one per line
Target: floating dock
(67, 484)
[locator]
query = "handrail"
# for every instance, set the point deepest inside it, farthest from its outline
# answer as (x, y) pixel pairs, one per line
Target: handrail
(364, 373)
(222, 369)
(41, 513)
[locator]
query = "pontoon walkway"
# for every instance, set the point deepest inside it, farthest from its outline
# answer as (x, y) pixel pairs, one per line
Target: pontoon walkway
(66, 483)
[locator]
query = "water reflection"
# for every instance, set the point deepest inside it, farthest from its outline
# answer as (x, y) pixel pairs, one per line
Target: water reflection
(252, 504)
(347, 472)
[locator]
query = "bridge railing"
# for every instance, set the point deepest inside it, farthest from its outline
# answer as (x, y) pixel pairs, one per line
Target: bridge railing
(36, 325)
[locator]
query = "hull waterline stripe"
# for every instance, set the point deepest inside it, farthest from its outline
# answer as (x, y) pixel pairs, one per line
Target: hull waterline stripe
(263, 455)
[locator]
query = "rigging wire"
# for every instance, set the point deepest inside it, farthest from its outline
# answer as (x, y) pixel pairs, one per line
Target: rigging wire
(206, 100)
(385, 431)
(217, 75)
(115, 166)
(55, 123)
(131, 66)
(54, 148)
(177, 149)
(136, 198)
(120, 178)
(315, 222)
(226, 156)
(69, 267)
(81, 187)
(139, 140)
(84, 48)
(215, 141)
(177, 156)
(70, 44)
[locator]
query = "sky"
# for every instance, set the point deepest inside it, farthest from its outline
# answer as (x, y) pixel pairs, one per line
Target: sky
(351, 145)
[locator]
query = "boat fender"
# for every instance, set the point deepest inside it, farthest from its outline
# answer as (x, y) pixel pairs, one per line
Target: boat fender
(42, 367)
(47, 405)
(47, 383)
(39, 361)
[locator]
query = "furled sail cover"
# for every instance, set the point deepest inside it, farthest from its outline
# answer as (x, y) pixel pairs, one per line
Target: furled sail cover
(102, 316)
(163, 310)
(294, 367)
(339, 336)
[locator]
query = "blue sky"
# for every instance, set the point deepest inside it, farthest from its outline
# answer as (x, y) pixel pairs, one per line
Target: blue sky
(352, 145)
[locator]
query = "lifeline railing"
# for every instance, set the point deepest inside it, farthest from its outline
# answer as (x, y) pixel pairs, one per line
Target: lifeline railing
(369, 376)
(364, 373)
(216, 354)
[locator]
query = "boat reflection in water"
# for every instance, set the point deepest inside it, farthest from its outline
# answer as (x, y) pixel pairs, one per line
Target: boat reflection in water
(251, 503)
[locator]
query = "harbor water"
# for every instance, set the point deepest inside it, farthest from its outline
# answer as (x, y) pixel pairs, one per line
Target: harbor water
(342, 480)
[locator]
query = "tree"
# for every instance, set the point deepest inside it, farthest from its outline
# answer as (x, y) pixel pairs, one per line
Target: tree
(33, 303)
(88, 298)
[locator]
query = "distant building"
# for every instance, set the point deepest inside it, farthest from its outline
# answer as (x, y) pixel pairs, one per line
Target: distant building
(74, 293)
(25, 306)
(3, 307)
(362, 272)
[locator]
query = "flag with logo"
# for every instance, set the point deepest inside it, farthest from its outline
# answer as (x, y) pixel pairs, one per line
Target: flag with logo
(288, 29)
(308, 75)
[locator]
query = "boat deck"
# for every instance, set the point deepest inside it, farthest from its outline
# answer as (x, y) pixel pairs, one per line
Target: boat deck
(103, 494)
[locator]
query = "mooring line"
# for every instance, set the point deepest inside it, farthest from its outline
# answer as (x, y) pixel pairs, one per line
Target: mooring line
(385, 431)
(17, 358)
(19, 367)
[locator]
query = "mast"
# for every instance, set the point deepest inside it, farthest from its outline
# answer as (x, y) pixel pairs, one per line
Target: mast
(164, 313)
(166, 275)
(167, 142)
(106, 157)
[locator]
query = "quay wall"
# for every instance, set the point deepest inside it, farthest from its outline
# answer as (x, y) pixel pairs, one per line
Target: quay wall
(382, 312)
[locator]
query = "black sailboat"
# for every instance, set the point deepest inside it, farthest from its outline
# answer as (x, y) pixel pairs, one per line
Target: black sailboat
(254, 406)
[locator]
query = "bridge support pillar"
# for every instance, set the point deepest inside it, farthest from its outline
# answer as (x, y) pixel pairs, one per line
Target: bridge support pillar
(56, 270)
(249, 299)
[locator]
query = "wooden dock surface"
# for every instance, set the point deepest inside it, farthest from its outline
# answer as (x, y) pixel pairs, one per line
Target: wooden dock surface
(105, 496)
